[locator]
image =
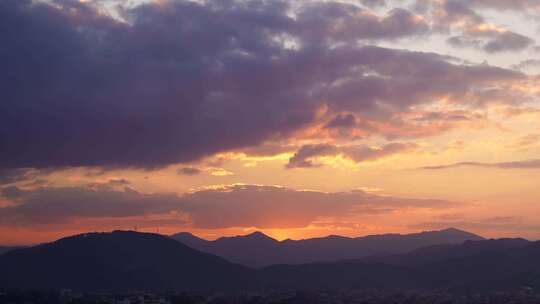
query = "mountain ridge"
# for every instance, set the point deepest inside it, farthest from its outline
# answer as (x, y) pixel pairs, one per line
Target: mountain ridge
(128, 261)
(259, 250)
(118, 260)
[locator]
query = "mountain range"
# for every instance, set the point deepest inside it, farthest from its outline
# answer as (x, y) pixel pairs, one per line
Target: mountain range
(121, 260)
(474, 265)
(127, 261)
(259, 250)
(4, 249)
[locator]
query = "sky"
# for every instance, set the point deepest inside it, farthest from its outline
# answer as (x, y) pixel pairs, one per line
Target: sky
(298, 118)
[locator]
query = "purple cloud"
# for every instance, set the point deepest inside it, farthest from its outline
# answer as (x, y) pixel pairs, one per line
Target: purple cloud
(177, 81)
(304, 157)
(229, 206)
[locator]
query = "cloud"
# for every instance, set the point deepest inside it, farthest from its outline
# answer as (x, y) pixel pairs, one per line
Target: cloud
(17, 175)
(51, 205)
(269, 149)
(8, 176)
(508, 41)
(527, 64)
(525, 142)
(373, 3)
(335, 22)
(304, 157)
(219, 207)
(176, 81)
(476, 32)
(342, 121)
(189, 171)
(524, 164)
(505, 5)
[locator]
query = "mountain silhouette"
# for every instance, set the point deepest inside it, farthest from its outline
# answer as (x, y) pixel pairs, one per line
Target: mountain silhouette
(4, 249)
(259, 250)
(473, 266)
(496, 267)
(121, 260)
(133, 261)
(431, 254)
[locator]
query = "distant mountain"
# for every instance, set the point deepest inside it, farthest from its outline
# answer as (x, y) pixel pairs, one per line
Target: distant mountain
(340, 275)
(259, 250)
(253, 250)
(121, 260)
(483, 265)
(435, 253)
(4, 249)
(494, 268)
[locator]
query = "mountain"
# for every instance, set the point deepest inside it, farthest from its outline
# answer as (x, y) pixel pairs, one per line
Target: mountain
(259, 250)
(131, 261)
(121, 260)
(253, 250)
(473, 266)
(435, 253)
(494, 268)
(4, 249)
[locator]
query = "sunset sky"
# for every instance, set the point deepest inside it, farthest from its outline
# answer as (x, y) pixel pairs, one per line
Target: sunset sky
(298, 118)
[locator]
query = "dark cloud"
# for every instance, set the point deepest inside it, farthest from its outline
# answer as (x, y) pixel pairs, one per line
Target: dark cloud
(277, 207)
(305, 156)
(373, 3)
(504, 4)
(342, 121)
(463, 41)
(507, 41)
(28, 175)
(10, 176)
(119, 182)
(475, 31)
(111, 184)
(50, 205)
(525, 164)
(335, 22)
(527, 64)
(228, 206)
(189, 171)
(181, 80)
(269, 149)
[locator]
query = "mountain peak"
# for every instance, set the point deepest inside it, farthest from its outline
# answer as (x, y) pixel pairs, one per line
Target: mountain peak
(452, 229)
(456, 231)
(258, 235)
(184, 235)
(187, 238)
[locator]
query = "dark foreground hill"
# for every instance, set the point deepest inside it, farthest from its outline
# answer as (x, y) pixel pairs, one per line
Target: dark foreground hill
(120, 260)
(259, 250)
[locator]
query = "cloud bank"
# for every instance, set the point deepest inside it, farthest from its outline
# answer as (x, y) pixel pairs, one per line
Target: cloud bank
(176, 81)
(213, 208)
